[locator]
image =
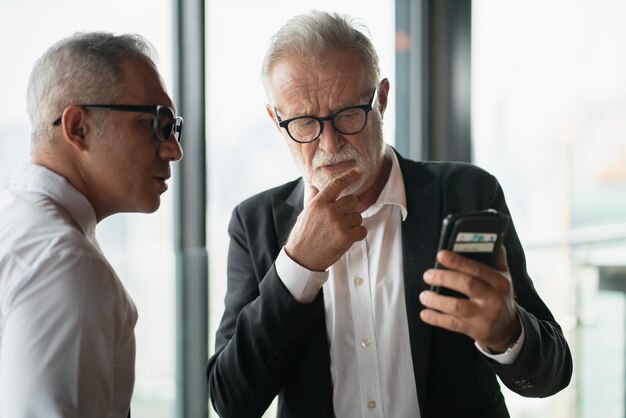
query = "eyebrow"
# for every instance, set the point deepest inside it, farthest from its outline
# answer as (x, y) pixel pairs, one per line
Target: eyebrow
(332, 111)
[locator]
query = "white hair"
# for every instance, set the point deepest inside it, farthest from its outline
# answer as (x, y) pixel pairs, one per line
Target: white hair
(312, 37)
(82, 68)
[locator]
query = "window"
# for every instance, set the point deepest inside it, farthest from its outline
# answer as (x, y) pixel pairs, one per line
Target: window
(549, 106)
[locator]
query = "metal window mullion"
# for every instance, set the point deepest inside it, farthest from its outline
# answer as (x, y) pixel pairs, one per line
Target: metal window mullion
(190, 213)
(433, 71)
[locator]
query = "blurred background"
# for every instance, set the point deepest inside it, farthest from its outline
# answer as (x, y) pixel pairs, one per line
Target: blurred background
(533, 91)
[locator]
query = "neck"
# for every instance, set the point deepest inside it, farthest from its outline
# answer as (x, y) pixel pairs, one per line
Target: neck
(65, 166)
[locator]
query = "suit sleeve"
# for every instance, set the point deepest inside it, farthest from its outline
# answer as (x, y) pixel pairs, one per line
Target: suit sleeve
(262, 327)
(544, 364)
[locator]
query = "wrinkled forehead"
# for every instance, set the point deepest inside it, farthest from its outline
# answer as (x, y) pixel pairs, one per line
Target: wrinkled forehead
(338, 78)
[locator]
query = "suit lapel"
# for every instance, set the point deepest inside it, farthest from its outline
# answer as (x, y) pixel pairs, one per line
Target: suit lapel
(420, 233)
(286, 206)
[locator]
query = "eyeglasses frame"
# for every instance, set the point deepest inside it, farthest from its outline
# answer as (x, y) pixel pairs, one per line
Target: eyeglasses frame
(177, 125)
(366, 107)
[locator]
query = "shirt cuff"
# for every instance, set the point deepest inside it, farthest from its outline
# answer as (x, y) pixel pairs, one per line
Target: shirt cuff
(511, 353)
(302, 283)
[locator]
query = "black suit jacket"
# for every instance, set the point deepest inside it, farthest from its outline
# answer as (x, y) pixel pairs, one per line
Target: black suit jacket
(268, 344)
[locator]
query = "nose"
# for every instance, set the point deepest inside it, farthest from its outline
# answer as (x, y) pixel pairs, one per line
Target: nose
(330, 140)
(171, 150)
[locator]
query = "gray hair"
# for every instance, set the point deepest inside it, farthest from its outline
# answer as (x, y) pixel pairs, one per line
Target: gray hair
(82, 68)
(312, 37)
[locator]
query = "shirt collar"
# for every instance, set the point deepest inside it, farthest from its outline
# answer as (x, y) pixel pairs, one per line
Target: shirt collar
(35, 178)
(393, 193)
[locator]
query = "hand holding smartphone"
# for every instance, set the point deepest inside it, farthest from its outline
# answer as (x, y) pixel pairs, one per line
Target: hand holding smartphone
(476, 235)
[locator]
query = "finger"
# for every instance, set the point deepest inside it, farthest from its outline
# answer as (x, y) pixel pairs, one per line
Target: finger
(358, 233)
(493, 278)
(457, 262)
(354, 219)
(466, 284)
(462, 308)
(347, 204)
(442, 320)
(332, 190)
(502, 263)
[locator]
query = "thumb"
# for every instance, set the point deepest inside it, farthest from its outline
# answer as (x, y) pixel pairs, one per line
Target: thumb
(501, 262)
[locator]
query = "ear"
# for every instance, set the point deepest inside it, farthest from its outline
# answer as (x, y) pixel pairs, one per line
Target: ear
(270, 112)
(74, 127)
(382, 96)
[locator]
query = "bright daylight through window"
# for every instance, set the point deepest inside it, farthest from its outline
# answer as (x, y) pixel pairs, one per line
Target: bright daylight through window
(549, 120)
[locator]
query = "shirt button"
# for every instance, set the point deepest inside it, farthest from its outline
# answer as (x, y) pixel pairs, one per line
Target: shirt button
(365, 343)
(358, 281)
(371, 404)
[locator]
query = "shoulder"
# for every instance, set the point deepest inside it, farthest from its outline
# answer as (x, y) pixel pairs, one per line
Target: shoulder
(41, 249)
(449, 173)
(440, 169)
(458, 186)
(32, 227)
(458, 172)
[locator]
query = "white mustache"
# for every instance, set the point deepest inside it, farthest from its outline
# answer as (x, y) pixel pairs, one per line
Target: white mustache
(322, 158)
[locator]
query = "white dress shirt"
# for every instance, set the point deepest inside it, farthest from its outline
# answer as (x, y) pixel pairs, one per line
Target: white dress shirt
(366, 318)
(67, 344)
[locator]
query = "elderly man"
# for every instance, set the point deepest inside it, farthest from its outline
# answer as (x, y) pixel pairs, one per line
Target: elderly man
(104, 133)
(326, 306)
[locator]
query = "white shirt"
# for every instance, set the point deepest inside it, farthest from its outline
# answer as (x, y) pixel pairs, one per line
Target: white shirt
(366, 319)
(67, 344)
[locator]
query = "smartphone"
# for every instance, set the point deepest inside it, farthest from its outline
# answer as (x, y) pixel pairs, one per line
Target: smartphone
(476, 235)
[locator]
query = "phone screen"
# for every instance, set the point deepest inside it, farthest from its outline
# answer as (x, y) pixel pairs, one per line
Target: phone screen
(476, 235)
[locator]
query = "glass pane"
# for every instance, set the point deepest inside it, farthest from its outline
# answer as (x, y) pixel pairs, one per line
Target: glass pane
(138, 246)
(549, 106)
(245, 153)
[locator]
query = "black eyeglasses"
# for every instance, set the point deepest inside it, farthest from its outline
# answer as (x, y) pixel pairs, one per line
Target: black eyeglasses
(348, 121)
(164, 125)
